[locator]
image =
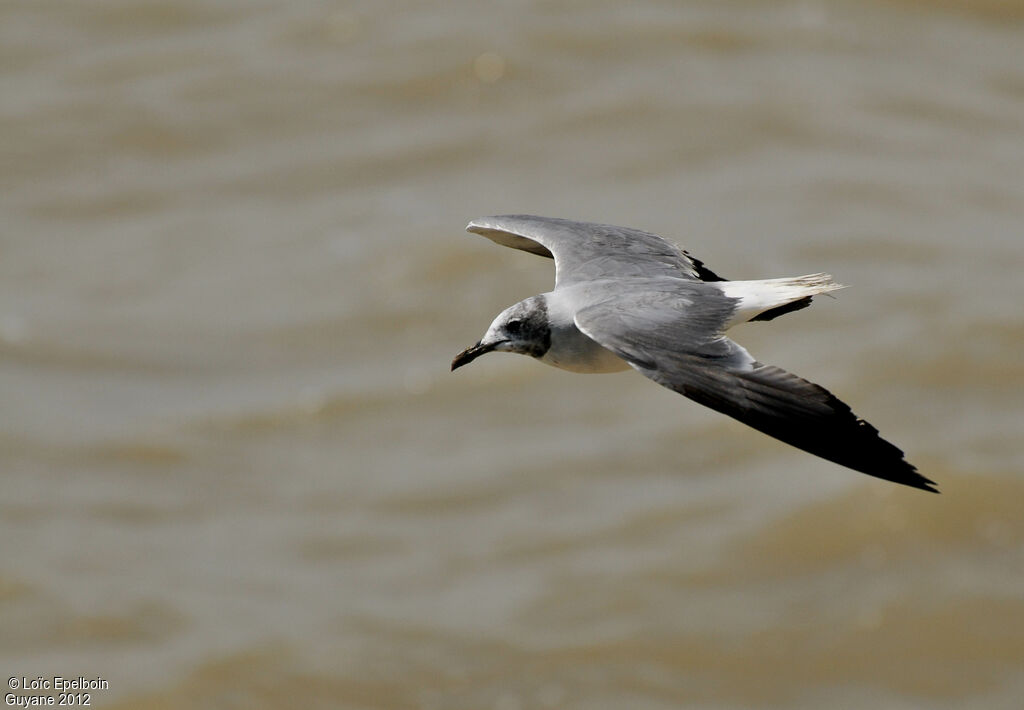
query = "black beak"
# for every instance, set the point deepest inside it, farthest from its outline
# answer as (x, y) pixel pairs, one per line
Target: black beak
(472, 353)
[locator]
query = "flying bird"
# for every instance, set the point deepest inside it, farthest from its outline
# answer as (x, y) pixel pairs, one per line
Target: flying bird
(625, 298)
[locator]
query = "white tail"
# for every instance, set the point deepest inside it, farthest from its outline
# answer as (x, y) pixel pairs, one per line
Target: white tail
(759, 296)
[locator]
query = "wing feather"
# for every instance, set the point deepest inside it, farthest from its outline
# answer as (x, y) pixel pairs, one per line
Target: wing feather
(585, 251)
(675, 339)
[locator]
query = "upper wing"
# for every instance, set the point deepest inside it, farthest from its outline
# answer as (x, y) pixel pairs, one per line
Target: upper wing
(675, 340)
(584, 251)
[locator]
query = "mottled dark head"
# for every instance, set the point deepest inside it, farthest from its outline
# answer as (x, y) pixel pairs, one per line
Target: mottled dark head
(522, 328)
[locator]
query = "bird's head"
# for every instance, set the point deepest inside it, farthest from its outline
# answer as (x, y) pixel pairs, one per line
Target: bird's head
(522, 328)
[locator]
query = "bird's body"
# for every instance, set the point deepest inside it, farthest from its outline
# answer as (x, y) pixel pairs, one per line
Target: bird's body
(570, 349)
(625, 298)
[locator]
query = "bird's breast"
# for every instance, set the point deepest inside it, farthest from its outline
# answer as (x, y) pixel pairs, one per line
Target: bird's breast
(572, 350)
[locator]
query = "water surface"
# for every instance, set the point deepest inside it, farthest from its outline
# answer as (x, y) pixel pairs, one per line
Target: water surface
(237, 472)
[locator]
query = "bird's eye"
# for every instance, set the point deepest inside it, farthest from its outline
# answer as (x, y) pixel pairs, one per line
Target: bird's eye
(513, 327)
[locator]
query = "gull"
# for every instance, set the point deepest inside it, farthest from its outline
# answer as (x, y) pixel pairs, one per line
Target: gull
(625, 298)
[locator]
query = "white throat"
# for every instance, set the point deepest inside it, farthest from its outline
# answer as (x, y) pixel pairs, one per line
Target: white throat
(570, 349)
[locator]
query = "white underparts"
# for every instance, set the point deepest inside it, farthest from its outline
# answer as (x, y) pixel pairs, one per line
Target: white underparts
(756, 297)
(570, 349)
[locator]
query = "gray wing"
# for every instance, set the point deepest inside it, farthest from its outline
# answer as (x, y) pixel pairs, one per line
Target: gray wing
(584, 251)
(675, 339)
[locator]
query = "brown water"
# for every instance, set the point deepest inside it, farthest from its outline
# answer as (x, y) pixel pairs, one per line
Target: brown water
(238, 474)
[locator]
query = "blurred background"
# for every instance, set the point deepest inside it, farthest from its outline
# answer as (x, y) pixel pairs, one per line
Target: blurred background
(237, 472)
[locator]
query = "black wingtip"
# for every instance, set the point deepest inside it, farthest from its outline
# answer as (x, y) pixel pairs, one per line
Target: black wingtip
(809, 417)
(773, 313)
(703, 272)
(920, 482)
(916, 481)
